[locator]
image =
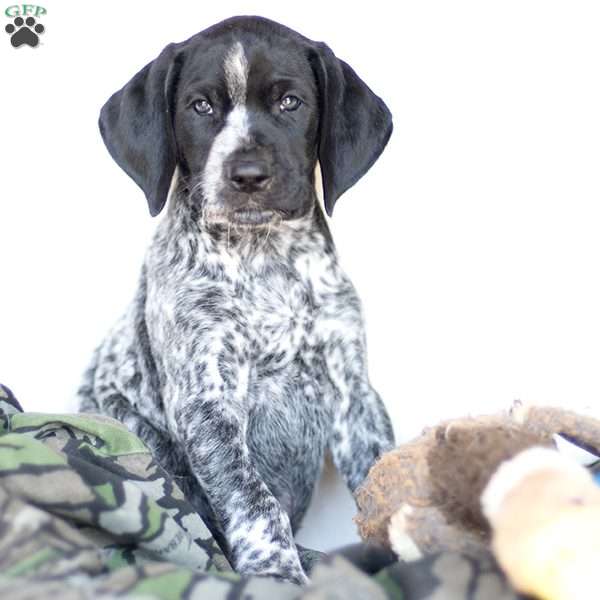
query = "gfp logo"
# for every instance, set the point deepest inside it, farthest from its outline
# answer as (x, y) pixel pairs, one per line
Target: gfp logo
(24, 28)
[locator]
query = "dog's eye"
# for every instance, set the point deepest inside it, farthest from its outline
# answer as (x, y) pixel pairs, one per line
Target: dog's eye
(202, 107)
(290, 103)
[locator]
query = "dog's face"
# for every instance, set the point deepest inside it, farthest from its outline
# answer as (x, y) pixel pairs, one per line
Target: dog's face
(246, 120)
(244, 110)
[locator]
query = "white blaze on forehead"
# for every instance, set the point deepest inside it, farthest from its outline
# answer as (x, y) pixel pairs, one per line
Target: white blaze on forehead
(235, 132)
(236, 73)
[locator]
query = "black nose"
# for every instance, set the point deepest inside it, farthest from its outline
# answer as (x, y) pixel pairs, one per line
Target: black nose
(249, 176)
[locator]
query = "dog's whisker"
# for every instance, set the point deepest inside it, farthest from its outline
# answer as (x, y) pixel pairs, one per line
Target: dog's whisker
(262, 246)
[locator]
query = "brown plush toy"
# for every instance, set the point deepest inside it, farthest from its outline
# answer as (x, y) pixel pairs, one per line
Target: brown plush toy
(424, 496)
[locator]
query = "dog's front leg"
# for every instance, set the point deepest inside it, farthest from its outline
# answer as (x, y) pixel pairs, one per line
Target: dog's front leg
(362, 429)
(210, 420)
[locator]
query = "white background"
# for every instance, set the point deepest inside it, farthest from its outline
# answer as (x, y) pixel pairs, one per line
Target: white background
(474, 241)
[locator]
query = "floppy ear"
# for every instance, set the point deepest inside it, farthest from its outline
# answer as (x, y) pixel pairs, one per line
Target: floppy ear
(354, 128)
(136, 126)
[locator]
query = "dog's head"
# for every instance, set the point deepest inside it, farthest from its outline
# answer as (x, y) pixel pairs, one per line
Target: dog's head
(244, 110)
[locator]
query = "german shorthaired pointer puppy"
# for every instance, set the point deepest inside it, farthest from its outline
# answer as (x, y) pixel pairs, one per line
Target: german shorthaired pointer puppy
(242, 356)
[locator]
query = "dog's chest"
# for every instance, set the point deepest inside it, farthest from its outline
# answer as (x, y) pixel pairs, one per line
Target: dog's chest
(279, 313)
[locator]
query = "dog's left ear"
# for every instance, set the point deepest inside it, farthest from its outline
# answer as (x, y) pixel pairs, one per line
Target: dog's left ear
(354, 124)
(136, 126)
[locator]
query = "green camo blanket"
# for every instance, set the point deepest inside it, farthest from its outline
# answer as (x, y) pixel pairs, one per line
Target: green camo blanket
(85, 512)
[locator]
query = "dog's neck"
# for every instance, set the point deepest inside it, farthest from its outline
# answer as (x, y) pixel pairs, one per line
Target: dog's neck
(257, 246)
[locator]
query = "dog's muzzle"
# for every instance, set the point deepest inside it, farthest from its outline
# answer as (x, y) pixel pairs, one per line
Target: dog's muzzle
(249, 178)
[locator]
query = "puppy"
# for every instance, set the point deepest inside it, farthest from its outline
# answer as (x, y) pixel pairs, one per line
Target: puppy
(241, 358)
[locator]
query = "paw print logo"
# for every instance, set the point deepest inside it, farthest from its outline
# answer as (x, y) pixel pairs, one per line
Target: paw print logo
(24, 32)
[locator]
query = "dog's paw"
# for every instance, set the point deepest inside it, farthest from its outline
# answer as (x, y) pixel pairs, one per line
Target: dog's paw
(276, 565)
(309, 558)
(24, 32)
(277, 569)
(297, 578)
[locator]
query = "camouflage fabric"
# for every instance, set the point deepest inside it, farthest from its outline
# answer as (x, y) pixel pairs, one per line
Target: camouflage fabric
(85, 512)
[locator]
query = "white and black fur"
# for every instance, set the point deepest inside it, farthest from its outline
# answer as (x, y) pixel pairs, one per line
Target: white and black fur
(242, 359)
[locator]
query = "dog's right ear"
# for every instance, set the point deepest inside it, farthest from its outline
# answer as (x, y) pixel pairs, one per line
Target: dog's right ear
(136, 126)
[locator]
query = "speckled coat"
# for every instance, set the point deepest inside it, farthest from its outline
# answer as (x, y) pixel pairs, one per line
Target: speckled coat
(240, 361)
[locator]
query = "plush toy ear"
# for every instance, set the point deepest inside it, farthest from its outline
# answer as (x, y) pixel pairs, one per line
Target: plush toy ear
(354, 125)
(136, 127)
